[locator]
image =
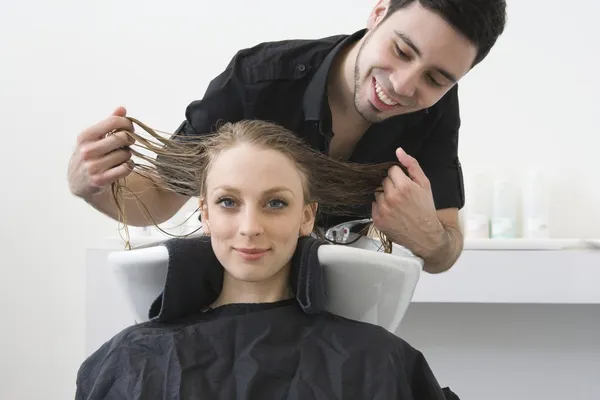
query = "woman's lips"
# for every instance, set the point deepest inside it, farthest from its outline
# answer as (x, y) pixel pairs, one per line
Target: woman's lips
(251, 254)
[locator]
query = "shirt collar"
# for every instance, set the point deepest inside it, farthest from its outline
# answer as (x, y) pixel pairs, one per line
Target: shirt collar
(315, 96)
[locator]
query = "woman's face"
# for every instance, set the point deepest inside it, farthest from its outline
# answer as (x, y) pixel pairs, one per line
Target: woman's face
(254, 211)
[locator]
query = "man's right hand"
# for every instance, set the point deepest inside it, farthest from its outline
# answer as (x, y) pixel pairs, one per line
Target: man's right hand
(100, 159)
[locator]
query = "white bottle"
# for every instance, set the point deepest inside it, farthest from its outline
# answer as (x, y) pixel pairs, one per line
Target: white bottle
(536, 208)
(478, 206)
(504, 209)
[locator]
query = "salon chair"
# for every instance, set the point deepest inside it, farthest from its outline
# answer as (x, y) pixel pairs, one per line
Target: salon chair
(362, 282)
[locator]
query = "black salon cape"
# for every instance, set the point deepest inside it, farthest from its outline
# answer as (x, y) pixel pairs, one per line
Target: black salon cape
(290, 349)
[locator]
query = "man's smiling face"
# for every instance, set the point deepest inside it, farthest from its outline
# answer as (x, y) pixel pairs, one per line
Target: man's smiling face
(407, 62)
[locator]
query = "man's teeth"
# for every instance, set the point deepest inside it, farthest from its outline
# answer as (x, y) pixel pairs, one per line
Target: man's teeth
(382, 96)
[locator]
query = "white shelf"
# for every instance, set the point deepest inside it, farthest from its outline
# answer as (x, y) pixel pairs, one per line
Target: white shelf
(531, 244)
(487, 275)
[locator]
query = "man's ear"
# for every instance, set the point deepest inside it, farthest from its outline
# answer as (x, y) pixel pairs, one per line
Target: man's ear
(204, 216)
(308, 219)
(377, 14)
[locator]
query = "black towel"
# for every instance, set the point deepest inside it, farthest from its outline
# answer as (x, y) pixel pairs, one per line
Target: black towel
(195, 278)
(307, 278)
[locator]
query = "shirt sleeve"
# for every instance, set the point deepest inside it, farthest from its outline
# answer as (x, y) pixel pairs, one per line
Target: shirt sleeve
(439, 156)
(222, 102)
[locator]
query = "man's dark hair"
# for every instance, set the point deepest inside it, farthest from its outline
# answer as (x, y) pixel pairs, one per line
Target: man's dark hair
(480, 21)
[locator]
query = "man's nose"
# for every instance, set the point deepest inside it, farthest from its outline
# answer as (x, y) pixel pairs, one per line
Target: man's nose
(251, 222)
(404, 82)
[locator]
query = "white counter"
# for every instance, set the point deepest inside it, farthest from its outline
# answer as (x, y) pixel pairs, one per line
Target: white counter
(546, 272)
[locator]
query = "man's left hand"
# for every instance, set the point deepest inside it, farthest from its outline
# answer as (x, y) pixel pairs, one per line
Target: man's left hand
(405, 210)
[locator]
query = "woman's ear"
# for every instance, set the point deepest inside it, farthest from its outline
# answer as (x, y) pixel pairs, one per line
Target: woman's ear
(308, 219)
(204, 217)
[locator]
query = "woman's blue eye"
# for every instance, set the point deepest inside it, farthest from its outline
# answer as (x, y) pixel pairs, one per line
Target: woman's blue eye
(226, 202)
(277, 203)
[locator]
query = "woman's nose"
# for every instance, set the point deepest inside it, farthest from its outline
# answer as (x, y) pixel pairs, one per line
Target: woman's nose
(251, 223)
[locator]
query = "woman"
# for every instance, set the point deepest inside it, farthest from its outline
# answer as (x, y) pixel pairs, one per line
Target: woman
(260, 190)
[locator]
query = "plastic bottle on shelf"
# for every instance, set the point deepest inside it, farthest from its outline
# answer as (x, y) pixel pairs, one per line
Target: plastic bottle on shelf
(504, 208)
(536, 207)
(477, 208)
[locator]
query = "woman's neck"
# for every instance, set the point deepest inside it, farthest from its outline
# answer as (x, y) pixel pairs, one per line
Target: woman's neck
(235, 291)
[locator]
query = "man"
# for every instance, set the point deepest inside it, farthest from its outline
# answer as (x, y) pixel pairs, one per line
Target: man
(387, 93)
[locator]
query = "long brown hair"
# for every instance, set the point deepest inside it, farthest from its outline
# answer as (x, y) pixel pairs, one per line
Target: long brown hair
(182, 164)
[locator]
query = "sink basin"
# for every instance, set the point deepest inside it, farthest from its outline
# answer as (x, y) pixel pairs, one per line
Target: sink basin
(362, 282)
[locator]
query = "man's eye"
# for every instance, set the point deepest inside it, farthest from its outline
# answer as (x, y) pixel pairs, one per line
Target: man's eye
(400, 53)
(432, 80)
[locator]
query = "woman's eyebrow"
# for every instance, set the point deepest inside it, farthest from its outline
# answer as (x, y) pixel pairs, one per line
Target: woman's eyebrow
(277, 189)
(233, 189)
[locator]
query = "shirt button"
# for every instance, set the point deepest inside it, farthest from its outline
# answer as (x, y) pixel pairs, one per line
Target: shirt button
(301, 67)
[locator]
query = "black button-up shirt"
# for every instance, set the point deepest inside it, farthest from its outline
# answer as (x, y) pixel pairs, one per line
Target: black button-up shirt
(286, 81)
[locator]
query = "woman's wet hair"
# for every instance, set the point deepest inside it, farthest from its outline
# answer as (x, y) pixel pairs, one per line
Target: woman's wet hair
(181, 164)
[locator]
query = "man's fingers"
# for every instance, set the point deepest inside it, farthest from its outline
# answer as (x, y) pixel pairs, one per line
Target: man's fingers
(113, 174)
(120, 111)
(379, 193)
(98, 149)
(388, 186)
(374, 211)
(94, 150)
(111, 160)
(413, 168)
(110, 124)
(397, 176)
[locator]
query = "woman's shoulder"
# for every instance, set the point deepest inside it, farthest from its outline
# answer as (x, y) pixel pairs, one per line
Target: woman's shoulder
(363, 333)
(133, 344)
(372, 339)
(136, 348)
(381, 350)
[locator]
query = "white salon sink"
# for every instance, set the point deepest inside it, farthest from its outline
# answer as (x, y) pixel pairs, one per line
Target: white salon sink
(362, 282)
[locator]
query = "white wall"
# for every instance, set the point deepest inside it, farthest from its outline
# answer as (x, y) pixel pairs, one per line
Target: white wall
(66, 64)
(510, 351)
(534, 102)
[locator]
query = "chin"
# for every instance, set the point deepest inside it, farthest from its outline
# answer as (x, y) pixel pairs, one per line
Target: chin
(254, 271)
(249, 273)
